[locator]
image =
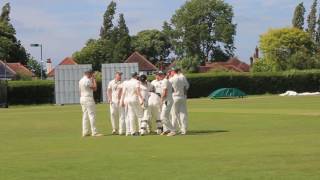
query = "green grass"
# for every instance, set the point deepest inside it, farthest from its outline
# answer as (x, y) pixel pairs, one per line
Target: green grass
(258, 138)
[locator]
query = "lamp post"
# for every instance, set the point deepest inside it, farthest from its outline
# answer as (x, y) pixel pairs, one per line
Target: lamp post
(39, 45)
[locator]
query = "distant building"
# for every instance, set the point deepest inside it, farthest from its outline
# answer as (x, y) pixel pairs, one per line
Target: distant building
(13, 71)
(145, 66)
(66, 61)
(48, 66)
(233, 64)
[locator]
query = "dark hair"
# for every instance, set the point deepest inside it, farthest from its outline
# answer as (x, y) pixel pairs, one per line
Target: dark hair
(143, 78)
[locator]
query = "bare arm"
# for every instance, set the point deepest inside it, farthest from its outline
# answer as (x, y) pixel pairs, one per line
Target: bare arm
(94, 84)
(109, 95)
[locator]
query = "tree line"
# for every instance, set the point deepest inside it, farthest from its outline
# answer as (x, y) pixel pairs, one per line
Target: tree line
(199, 31)
(295, 47)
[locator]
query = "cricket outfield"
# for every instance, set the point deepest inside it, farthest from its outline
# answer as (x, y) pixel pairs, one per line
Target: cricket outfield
(260, 137)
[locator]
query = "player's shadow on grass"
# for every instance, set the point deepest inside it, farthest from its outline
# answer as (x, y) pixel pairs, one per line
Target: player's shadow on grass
(205, 132)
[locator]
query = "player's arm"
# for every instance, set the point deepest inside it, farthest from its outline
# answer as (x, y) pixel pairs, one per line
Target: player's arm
(138, 92)
(123, 92)
(93, 85)
(119, 94)
(109, 93)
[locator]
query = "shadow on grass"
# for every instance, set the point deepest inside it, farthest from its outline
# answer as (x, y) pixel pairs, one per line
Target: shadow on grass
(205, 132)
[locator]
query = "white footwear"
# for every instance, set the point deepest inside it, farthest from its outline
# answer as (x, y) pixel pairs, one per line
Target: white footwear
(97, 135)
(183, 133)
(171, 134)
(165, 133)
(114, 132)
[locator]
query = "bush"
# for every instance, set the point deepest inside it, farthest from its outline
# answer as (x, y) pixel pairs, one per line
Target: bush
(201, 85)
(254, 83)
(30, 92)
(37, 92)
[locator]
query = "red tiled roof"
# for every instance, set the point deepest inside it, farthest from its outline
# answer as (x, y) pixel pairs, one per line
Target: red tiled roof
(232, 64)
(143, 63)
(20, 69)
(66, 61)
(10, 73)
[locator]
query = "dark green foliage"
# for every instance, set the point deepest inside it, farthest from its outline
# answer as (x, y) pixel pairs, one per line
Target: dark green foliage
(10, 48)
(298, 17)
(113, 46)
(154, 44)
(31, 92)
(312, 20)
(204, 27)
(260, 83)
(37, 92)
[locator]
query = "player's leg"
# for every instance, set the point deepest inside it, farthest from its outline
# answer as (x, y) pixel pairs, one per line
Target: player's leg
(165, 118)
(113, 117)
(85, 120)
(122, 123)
(183, 116)
(92, 117)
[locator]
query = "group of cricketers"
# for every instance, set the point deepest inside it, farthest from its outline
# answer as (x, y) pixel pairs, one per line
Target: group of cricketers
(138, 107)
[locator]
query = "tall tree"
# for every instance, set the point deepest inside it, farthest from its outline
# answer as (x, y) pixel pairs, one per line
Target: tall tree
(106, 29)
(312, 20)
(205, 28)
(13, 51)
(152, 43)
(298, 17)
(288, 48)
(122, 47)
(318, 33)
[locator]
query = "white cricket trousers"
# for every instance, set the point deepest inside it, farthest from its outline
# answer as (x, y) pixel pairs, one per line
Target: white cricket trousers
(117, 115)
(88, 115)
(154, 110)
(165, 116)
(180, 114)
(135, 114)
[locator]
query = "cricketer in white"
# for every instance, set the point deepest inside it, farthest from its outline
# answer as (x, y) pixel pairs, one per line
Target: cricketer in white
(114, 92)
(86, 87)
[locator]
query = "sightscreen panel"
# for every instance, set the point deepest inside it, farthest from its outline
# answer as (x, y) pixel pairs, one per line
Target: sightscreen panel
(67, 83)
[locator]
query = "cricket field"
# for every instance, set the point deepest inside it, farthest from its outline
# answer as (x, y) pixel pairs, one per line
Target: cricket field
(255, 138)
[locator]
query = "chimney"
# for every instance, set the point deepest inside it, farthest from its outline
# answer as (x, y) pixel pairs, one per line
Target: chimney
(251, 61)
(49, 65)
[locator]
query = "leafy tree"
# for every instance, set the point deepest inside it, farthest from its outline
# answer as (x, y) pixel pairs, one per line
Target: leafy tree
(122, 42)
(263, 66)
(152, 43)
(35, 67)
(93, 53)
(13, 51)
(285, 47)
(189, 64)
(113, 46)
(298, 18)
(312, 20)
(106, 29)
(204, 27)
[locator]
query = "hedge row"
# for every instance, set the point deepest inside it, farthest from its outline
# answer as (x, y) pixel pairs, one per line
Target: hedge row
(37, 92)
(254, 84)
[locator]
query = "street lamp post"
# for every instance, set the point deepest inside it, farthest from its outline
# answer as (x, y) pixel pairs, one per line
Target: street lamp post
(39, 45)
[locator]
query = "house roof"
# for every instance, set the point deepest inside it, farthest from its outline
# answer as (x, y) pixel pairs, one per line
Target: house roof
(20, 69)
(65, 61)
(5, 68)
(143, 63)
(233, 64)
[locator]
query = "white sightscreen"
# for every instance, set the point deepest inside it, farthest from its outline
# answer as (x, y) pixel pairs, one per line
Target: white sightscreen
(67, 83)
(108, 71)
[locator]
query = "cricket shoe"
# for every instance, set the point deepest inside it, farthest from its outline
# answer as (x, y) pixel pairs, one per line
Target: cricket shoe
(114, 132)
(159, 131)
(97, 135)
(171, 134)
(164, 133)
